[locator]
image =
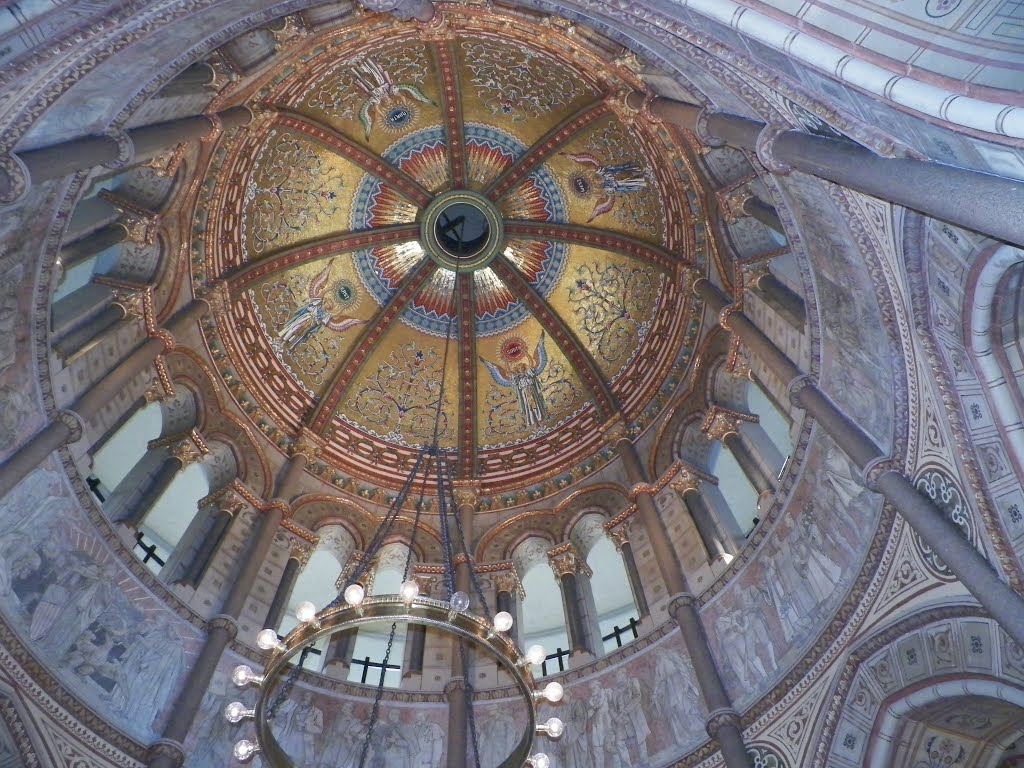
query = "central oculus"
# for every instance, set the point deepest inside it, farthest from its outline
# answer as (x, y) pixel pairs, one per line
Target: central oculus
(462, 231)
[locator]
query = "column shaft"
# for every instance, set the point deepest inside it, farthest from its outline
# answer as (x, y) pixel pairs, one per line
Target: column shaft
(92, 244)
(718, 543)
(780, 297)
(32, 454)
(458, 690)
(748, 463)
(196, 568)
(506, 601)
(79, 337)
(160, 482)
(636, 586)
(757, 208)
(574, 623)
(283, 593)
(416, 637)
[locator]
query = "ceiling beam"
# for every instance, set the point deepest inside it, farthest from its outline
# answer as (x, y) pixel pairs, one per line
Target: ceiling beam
(454, 124)
(577, 355)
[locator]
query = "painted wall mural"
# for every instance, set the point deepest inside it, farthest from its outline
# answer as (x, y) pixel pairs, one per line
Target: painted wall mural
(62, 590)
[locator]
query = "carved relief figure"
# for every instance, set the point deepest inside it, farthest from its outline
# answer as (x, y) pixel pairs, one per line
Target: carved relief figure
(676, 698)
(523, 376)
(313, 315)
(302, 723)
(430, 740)
(148, 673)
(631, 729)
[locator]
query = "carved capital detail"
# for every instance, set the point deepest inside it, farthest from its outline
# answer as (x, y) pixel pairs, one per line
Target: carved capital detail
(875, 468)
(293, 32)
(508, 581)
(619, 535)
(720, 718)
(217, 297)
(15, 179)
(72, 422)
(722, 422)
(166, 748)
(681, 602)
(732, 201)
(125, 149)
(167, 164)
(765, 149)
(566, 561)
(726, 313)
(300, 551)
(225, 622)
(467, 493)
(155, 392)
(795, 387)
(307, 445)
(702, 129)
(186, 452)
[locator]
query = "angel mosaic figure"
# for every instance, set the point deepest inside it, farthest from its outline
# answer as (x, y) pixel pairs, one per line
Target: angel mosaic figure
(380, 90)
(313, 315)
(524, 377)
(614, 180)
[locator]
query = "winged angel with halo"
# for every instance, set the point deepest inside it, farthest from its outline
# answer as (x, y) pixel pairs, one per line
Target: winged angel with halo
(381, 90)
(310, 317)
(524, 378)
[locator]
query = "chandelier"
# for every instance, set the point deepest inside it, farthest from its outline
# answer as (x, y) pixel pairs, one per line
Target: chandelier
(477, 631)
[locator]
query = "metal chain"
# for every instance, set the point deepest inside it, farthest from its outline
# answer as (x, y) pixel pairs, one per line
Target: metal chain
(375, 712)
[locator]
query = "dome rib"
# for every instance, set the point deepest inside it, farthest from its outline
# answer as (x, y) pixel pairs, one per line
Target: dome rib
(575, 234)
(450, 90)
(467, 376)
(252, 272)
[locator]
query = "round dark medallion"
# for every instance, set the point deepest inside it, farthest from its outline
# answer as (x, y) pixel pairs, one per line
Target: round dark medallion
(462, 231)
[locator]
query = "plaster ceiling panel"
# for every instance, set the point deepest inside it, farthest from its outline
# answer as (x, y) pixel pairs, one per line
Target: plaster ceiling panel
(378, 96)
(396, 392)
(517, 88)
(609, 182)
(608, 300)
(296, 191)
(527, 388)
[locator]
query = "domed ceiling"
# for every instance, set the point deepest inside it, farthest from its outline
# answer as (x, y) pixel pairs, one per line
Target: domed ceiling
(478, 180)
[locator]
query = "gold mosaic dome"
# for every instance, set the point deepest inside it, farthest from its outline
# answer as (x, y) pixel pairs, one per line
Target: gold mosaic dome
(461, 217)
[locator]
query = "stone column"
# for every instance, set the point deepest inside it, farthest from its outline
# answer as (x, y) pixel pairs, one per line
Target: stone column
(297, 559)
(718, 542)
(416, 635)
(67, 427)
(93, 328)
(758, 209)
(571, 571)
(927, 520)
(342, 644)
(620, 538)
(195, 569)
(759, 280)
(181, 454)
(508, 591)
(983, 202)
(224, 627)
(459, 689)
(723, 724)
(92, 244)
(119, 149)
(723, 425)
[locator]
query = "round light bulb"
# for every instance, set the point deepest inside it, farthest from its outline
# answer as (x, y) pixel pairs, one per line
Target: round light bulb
(305, 612)
(245, 749)
(540, 760)
(503, 621)
(553, 692)
(409, 590)
(354, 594)
(243, 675)
(267, 639)
(234, 712)
(536, 654)
(554, 727)
(460, 601)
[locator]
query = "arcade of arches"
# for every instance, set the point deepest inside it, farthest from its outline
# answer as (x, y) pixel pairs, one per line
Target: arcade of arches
(716, 307)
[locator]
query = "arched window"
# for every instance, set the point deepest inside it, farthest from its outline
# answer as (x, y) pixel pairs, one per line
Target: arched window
(372, 641)
(542, 615)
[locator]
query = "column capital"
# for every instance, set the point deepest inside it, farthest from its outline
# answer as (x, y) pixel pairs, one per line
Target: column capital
(722, 422)
(216, 296)
(619, 535)
(291, 33)
(467, 493)
(300, 551)
(171, 751)
(618, 430)
(566, 561)
(125, 149)
(167, 164)
(765, 149)
(186, 452)
(702, 131)
(737, 364)
(796, 385)
(875, 468)
(72, 421)
(681, 602)
(726, 313)
(428, 582)
(453, 685)
(508, 581)
(754, 271)
(15, 179)
(140, 223)
(225, 622)
(731, 202)
(155, 392)
(308, 445)
(719, 718)
(131, 301)
(216, 128)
